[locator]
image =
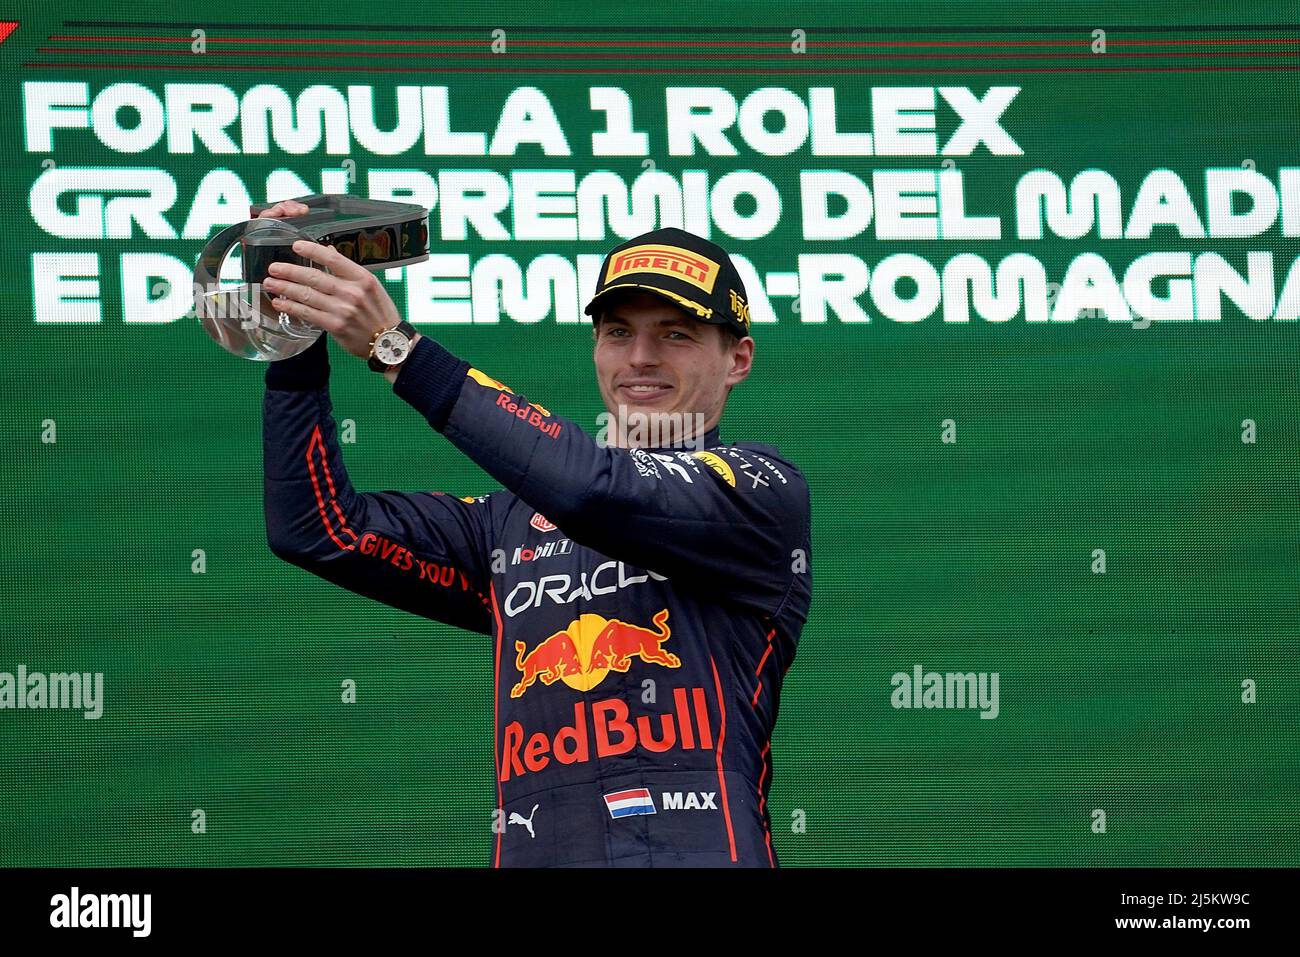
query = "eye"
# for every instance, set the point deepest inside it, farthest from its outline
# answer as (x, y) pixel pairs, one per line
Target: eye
(678, 332)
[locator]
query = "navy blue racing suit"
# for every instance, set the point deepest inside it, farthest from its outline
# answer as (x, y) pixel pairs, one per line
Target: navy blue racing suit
(643, 606)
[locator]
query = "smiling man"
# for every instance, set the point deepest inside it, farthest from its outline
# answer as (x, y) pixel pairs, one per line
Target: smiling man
(643, 601)
(666, 373)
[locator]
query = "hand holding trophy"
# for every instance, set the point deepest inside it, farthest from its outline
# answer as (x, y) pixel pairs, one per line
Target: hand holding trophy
(246, 321)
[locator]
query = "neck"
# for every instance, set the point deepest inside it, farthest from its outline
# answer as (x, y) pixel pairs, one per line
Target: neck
(665, 431)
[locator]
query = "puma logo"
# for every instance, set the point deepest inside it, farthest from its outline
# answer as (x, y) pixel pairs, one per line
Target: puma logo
(517, 818)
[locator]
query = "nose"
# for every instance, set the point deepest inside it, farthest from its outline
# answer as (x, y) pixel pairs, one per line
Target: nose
(644, 351)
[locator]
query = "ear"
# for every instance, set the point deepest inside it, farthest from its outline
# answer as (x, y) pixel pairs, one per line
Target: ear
(742, 360)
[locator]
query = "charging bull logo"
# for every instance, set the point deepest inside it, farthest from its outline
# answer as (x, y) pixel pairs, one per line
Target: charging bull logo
(590, 648)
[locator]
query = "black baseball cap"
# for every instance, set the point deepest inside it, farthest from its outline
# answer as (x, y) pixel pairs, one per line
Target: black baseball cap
(687, 270)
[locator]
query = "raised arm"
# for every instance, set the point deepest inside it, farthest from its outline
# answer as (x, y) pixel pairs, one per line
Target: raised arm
(422, 552)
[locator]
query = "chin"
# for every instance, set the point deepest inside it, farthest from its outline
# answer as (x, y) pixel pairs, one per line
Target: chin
(657, 405)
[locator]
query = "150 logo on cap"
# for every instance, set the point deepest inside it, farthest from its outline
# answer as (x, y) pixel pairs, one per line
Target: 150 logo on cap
(665, 260)
(739, 308)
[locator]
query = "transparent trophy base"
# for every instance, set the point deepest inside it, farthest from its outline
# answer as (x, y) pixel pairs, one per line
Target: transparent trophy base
(241, 318)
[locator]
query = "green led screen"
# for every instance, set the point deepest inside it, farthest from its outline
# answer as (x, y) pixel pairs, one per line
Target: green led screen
(1026, 303)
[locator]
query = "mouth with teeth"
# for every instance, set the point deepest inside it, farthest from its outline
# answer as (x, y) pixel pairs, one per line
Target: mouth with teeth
(644, 391)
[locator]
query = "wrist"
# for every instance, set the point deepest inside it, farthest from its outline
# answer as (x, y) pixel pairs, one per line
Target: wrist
(432, 380)
(309, 369)
(392, 374)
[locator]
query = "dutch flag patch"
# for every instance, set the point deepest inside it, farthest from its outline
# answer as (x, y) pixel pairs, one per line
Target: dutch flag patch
(625, 803)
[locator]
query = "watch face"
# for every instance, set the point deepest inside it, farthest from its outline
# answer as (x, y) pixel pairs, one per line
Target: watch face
(391, 347)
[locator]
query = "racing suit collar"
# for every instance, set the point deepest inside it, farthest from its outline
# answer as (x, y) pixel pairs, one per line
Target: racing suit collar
(710, 439)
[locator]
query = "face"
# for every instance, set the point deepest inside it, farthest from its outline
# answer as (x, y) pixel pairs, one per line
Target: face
(653, 357)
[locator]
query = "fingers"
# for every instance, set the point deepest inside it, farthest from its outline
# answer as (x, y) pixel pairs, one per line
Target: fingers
(299, 292)
(306, 312)
(330, 308)
(283, 209)
(338, 264)
(291, 273)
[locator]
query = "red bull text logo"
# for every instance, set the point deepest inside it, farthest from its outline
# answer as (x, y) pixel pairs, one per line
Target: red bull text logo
(614, 731)
(666, 261)
(590, 648)
(534, 415)
(530, 412)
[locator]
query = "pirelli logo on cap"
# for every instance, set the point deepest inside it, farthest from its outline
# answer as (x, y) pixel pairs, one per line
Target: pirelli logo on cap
(699, 271)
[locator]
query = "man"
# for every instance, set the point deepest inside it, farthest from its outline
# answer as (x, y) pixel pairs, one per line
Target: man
(644, 603)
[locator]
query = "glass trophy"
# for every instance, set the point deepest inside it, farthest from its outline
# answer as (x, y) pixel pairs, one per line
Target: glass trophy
(376, 234)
